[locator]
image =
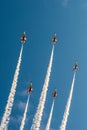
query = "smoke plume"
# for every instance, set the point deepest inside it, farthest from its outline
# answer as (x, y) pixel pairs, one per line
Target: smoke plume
(25, 113)
(67, 109)
(50, 117)
(38, 116)
(10, 101)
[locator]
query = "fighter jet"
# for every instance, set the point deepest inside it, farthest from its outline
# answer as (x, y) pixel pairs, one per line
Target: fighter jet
(75, 67)
(23, 38)
(30, 88)
(54, 40)
(54, 94)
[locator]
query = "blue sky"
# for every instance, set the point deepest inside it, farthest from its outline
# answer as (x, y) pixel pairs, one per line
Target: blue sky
(40, 19)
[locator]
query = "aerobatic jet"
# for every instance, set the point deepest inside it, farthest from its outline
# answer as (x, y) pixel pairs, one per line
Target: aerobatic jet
(23, 38)
(54, 94)
(75, 67)
(54, 39)
(30, 88)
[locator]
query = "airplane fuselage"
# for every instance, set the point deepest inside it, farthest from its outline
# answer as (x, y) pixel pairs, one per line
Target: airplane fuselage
(23, 39)
(75, 67)
(55, 94)
(54, 40)
(30, 89)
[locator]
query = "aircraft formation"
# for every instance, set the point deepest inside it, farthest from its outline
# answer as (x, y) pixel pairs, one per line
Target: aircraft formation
(54, 41)
(24, 38)
(55, 94)
(5, 120)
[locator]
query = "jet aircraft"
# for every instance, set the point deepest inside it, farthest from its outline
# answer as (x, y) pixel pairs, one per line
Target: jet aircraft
(75, 67)
(54, 39)
(54, 94)
(23, 38)
(30, 88)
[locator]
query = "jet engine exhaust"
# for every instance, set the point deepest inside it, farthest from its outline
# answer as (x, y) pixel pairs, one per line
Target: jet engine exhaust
(50, 117)
(67, 109)
(39, 113)
(10, 101)
(25, 113)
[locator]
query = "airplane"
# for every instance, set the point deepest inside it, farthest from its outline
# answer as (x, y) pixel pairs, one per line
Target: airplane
(23, 38)
(54, 40)
(54, 94)
(75, 67)
(30, 88)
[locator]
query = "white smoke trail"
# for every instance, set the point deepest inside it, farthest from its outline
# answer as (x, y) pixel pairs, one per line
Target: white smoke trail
(40, 108)
(25, 113)
(10, 101)
(67, 109)
(50, 117)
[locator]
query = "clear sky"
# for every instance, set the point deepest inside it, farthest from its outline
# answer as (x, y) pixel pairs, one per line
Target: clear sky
(40, 19)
